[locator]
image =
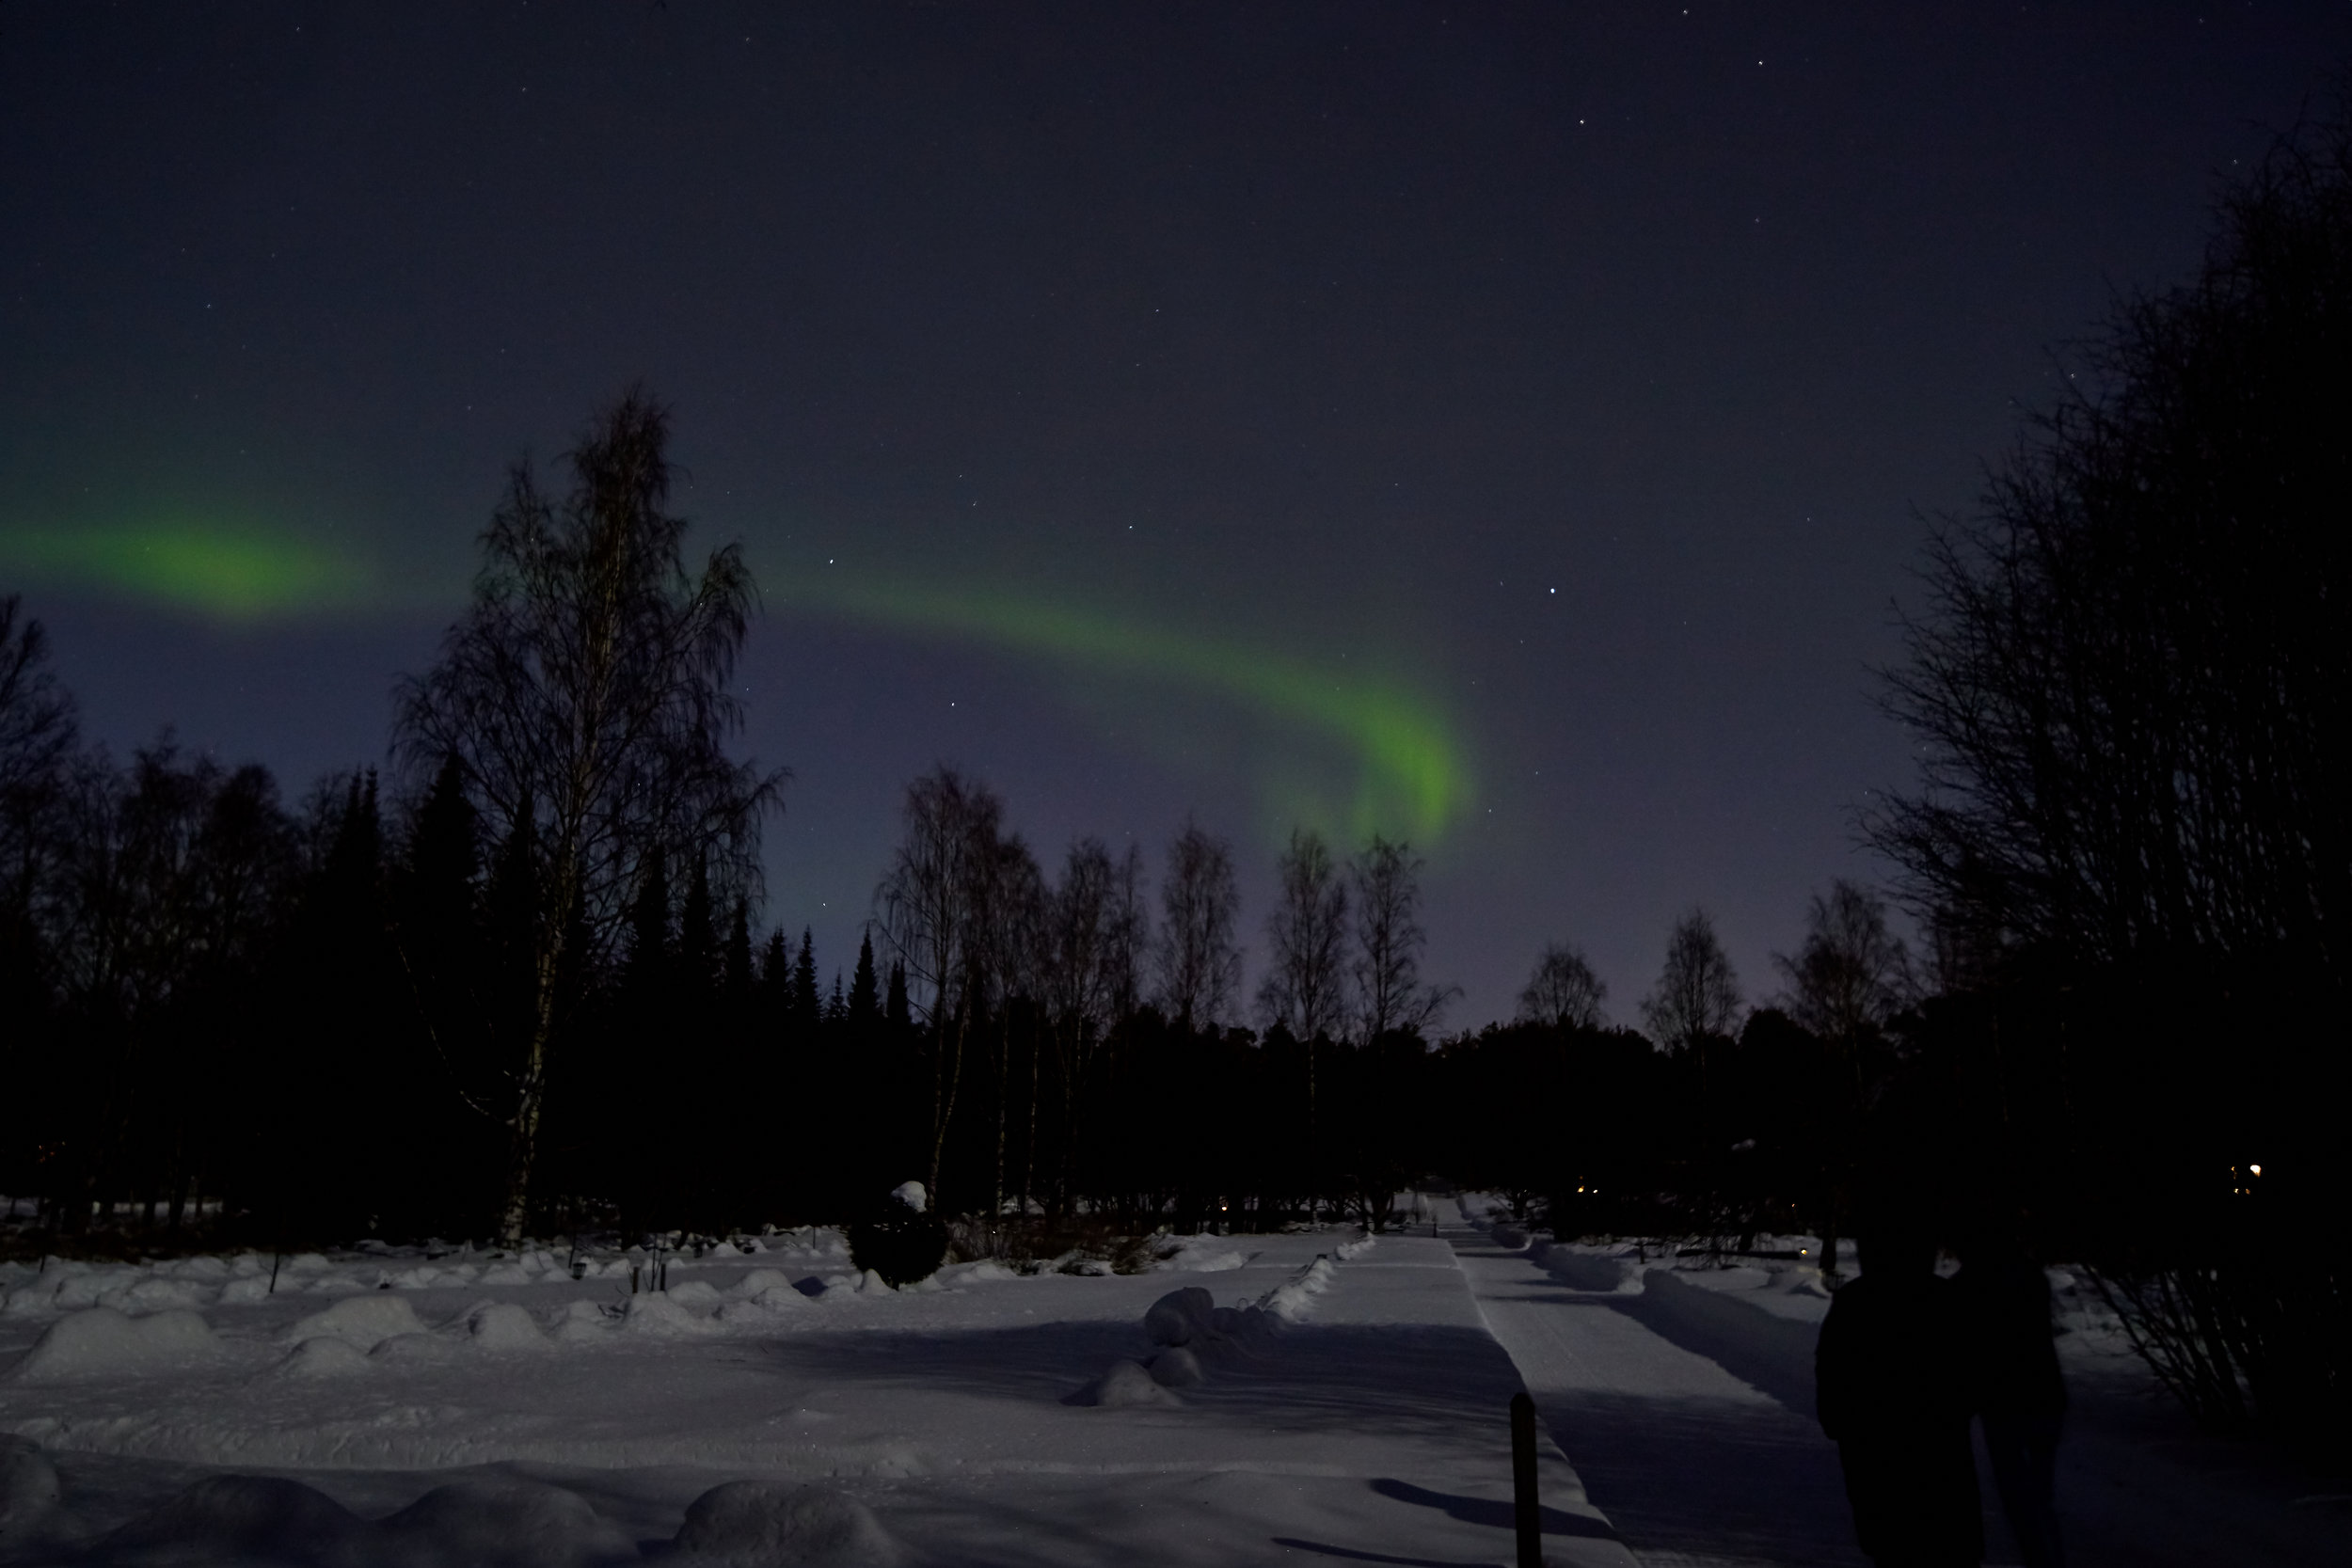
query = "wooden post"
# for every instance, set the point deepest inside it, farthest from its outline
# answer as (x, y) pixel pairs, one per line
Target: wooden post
(1526, 1514)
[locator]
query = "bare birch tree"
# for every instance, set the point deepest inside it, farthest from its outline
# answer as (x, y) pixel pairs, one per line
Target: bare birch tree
(1199, 965)
(1304, 990)
(1388, 940)
(585, 694)
(1564, 991)
(1850, 974)
(1698, 994)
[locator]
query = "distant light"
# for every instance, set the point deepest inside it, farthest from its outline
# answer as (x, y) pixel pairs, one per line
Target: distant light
(2256, 1169)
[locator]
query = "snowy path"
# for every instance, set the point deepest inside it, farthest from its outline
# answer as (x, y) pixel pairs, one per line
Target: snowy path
(1694, 1464)
(1689, 1414)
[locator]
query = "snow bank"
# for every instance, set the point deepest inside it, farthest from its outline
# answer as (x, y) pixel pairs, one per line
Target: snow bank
(1290, 1302)
(1589, 1268)
(764, 1524)
(99, 1342)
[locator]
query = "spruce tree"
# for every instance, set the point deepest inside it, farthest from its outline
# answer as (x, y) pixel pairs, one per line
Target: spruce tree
(865, 1000)
(804, 1013)
(648, 962)
(775, 973)
(697, 942)
(736, 978)
(899, 1013)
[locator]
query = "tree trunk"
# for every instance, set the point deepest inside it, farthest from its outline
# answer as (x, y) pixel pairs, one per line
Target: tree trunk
(950, 1078)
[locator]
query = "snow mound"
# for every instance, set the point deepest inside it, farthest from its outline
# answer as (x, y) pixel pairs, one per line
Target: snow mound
(506, 1273)
(244, 1289)
(501, 1325)
(695, 1293)
(495, 1524)
(655, 1313)
(912, 1195)
(28, 1489)
(983, 1270)
(750, 1285)
(1176, 1367)
(1126, 1384)
(99, 1342)
(1200, 1254)
(764, 1524)
(1508, 1236)
(325, 1356)
(584, 1322)
(237, 1519)
(362, 1323)
(1180, 1317)
(1356, 1248)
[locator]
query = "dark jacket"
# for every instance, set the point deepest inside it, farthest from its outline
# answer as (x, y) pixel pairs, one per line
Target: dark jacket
(1894, 1383)
(2003, 1305)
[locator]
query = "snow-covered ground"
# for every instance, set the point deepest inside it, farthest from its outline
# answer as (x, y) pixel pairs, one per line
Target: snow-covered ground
(1347, 1404)
(1682, 1392)
(1303, 1398)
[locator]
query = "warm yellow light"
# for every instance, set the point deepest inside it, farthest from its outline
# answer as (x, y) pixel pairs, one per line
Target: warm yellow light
(2256, 1169)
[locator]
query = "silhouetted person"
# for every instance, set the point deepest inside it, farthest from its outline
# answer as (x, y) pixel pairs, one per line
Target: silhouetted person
(1891, 1375)
(2004, 1301)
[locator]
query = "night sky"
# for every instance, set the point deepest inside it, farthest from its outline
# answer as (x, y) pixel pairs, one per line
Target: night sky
(1506, 426)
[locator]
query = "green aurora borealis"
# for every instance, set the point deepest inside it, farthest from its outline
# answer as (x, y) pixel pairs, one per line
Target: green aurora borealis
(1333, 748)
(1411, 770)
(232, 572)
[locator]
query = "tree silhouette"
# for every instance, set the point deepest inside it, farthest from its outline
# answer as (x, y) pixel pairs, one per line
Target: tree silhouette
(1564, 991)
(1304, 988)
(1698, 994)
(1199, 966)
(586, 692)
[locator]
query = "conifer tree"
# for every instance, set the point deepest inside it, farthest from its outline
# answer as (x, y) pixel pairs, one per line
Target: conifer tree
(865, 1002)
(775, 972)
(697, 943)
(900, 1012)
(736, 973)
(648, 962)
(804, 1003)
